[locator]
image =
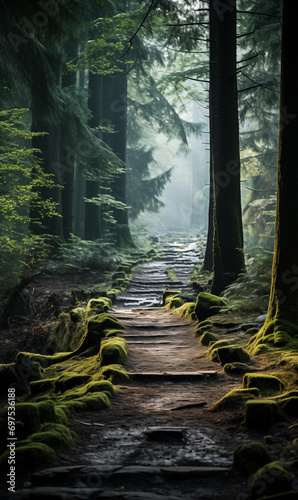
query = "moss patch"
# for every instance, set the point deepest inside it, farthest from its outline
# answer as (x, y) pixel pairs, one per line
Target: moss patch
(267, 384)
(203, 326)
(207, 305)
(238, 368)
(235, 399)
(114, 373)
(56, 436)
(187, 310)
(274, 479)
(33, 454)
(207, 338)
(113, 350)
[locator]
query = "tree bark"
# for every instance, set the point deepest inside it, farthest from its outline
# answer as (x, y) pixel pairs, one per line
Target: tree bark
(283, 302)
(92, 212)
(115, 99)
(228, 256)
(68, 176)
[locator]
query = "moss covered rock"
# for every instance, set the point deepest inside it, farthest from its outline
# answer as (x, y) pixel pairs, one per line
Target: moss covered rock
(267, 384)
(77, 315)
(207, 338)
(70, 380)
(235, 399)
(56, 436)
(98, 306)
(113, 350)
(229, 354)
(248, 458)
(42, 386)
(238, 368)
(203, 326)
(207, 305)
(186, 309)
(271, 479)
(168, 295)
(115, 373)
(94, 401)
(31, 456)
(261, 413)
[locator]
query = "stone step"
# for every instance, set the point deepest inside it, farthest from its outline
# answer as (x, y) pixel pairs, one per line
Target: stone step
(98, 476)
(172, 376)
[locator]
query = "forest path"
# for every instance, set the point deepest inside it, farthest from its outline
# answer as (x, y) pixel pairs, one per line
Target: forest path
(158, 440)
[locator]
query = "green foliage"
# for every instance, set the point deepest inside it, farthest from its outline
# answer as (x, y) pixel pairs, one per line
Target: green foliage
(21, 178)
(253, 288)
(80, 253)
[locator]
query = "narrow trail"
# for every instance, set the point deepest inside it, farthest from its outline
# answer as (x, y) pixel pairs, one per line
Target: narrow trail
(158, 440)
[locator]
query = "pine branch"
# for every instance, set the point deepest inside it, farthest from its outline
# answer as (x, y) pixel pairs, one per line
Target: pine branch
(137, 31)
(257, 13)
(252, 87)
(245, 34)
(248, 58)
(197, 79)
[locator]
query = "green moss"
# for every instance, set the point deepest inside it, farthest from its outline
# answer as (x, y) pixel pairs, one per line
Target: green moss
(98, 306)
(248, 458)
(259, 349)
(168, 295)
(207, 305)
(56, 436)
(174, 302)
(113, 350)
(70, 380)
(94, 401)
(217, 344)
(281, 339)
(235, 399)
(34, 455)
(77, 315)
(261, 413)
(238, 368)
(203, 326)
(207, 339)
(186, 309)
(101, 386)
(274, 479)
(267, 384)
(40, 386)
(113, 333)
(114, 373)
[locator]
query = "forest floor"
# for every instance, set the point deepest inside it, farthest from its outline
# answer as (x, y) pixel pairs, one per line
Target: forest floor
(159, 439)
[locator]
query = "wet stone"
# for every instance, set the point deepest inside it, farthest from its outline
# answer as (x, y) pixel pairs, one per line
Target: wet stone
(166, 434)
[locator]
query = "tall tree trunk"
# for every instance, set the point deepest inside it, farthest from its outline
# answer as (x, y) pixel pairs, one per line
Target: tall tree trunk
(283, 302)
(228, 256)
(49, 153)
(92, 212)
(115, 99)
(79, 185)
(68, 175)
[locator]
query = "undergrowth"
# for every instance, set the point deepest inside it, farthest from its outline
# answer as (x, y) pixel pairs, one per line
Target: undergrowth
(250, 292)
